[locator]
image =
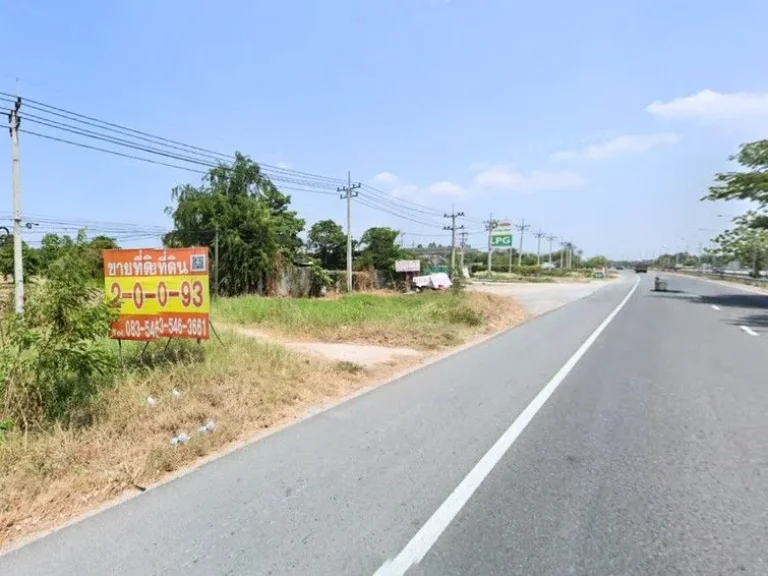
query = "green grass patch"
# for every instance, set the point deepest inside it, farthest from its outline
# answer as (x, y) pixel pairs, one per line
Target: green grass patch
(427, 320)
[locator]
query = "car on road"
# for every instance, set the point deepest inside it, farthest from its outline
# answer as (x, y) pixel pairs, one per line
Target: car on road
(641, 268)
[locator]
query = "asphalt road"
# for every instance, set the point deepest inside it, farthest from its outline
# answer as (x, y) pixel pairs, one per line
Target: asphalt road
(651, 457)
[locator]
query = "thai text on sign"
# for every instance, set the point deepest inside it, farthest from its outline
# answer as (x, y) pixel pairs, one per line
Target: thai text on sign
(162, 293)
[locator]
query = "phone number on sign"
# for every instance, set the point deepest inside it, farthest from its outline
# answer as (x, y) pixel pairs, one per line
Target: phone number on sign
(161, 328)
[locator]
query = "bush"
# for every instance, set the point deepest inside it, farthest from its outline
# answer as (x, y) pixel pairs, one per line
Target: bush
(319, 279)
(55, 357)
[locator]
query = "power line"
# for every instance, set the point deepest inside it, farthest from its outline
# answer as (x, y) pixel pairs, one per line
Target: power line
(167, 142)
(364, 202)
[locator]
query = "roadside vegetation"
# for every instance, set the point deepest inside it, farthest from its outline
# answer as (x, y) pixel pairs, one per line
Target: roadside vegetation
(422, 321)
(533, 274)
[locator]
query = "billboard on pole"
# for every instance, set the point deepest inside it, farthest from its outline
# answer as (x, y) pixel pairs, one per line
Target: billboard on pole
(501, 235)
(162, 293)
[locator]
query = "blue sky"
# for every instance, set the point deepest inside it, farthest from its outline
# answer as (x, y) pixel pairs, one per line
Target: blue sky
(543, 111)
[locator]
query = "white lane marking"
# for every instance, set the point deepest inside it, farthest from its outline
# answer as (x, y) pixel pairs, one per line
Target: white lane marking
(425, 538)
(715, 307)
(748, 330)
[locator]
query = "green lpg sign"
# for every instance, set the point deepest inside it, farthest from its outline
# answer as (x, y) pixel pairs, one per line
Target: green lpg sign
(501, 240)
(501, 236)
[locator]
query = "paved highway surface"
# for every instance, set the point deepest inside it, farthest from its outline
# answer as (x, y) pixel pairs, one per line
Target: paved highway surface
(641, 448)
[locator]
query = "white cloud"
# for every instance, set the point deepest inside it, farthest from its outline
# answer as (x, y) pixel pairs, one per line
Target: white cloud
(709, 104)
(445, 188)
(619, 146)
(384, 178)
(502, 177)
(404, 191)
(284, 165)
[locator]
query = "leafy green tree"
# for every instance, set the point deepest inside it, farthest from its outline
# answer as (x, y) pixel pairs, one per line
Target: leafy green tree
(257, 233)
(30, 258)
(751, 183)
(53, 247)
(596, 262)
(327, 242)
(94, 257)
(745, 243)
(379, 249)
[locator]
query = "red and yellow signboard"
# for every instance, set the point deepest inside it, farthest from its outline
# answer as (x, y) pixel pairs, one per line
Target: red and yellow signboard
(163, 293)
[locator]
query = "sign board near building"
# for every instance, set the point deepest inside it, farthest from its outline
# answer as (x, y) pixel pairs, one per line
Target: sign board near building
(501, 235)
(162, 293)
(407, 266)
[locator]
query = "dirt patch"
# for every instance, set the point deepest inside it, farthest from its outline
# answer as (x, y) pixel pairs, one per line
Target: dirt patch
(361, 354)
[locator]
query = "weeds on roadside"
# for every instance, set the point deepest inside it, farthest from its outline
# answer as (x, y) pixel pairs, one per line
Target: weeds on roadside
(55, 357)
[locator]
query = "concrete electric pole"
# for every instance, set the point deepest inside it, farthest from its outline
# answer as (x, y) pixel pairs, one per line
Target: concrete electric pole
(551, 239)
(522, 227)
(539, 235)
(463, 244)
(349, 192)
(18, 263)
(490, 226)
(453, 215)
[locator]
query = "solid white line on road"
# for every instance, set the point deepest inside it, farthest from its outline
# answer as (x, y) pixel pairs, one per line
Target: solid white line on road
(425, 538)
(748, 330)
(715, 307)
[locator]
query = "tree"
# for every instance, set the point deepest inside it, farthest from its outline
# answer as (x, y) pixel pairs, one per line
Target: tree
(327, 242)
(750, 184)
(747, 244)
(257, 233)
(379, 248)
(30, 258)
(53, 247)
(596, 262)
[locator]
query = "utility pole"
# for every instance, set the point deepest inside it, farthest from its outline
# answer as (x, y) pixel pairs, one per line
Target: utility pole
(490, 225)
(453, 215)
(539, 235)
(216, 262)
(551, 238)
(18, 264)
(349, 192)
(522, 227)
(562, 254)
(464, 235)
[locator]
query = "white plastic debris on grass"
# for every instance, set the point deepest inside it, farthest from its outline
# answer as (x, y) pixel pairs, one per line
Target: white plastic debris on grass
(151, 401)
(182, 438)
(437, 281)
(209, 427)
(175, 393)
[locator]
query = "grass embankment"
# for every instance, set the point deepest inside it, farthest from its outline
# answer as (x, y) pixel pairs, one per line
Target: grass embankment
(52, 473)
(425, 321)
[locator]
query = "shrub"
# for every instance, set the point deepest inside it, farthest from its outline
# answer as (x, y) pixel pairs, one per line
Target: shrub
(54, 358)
